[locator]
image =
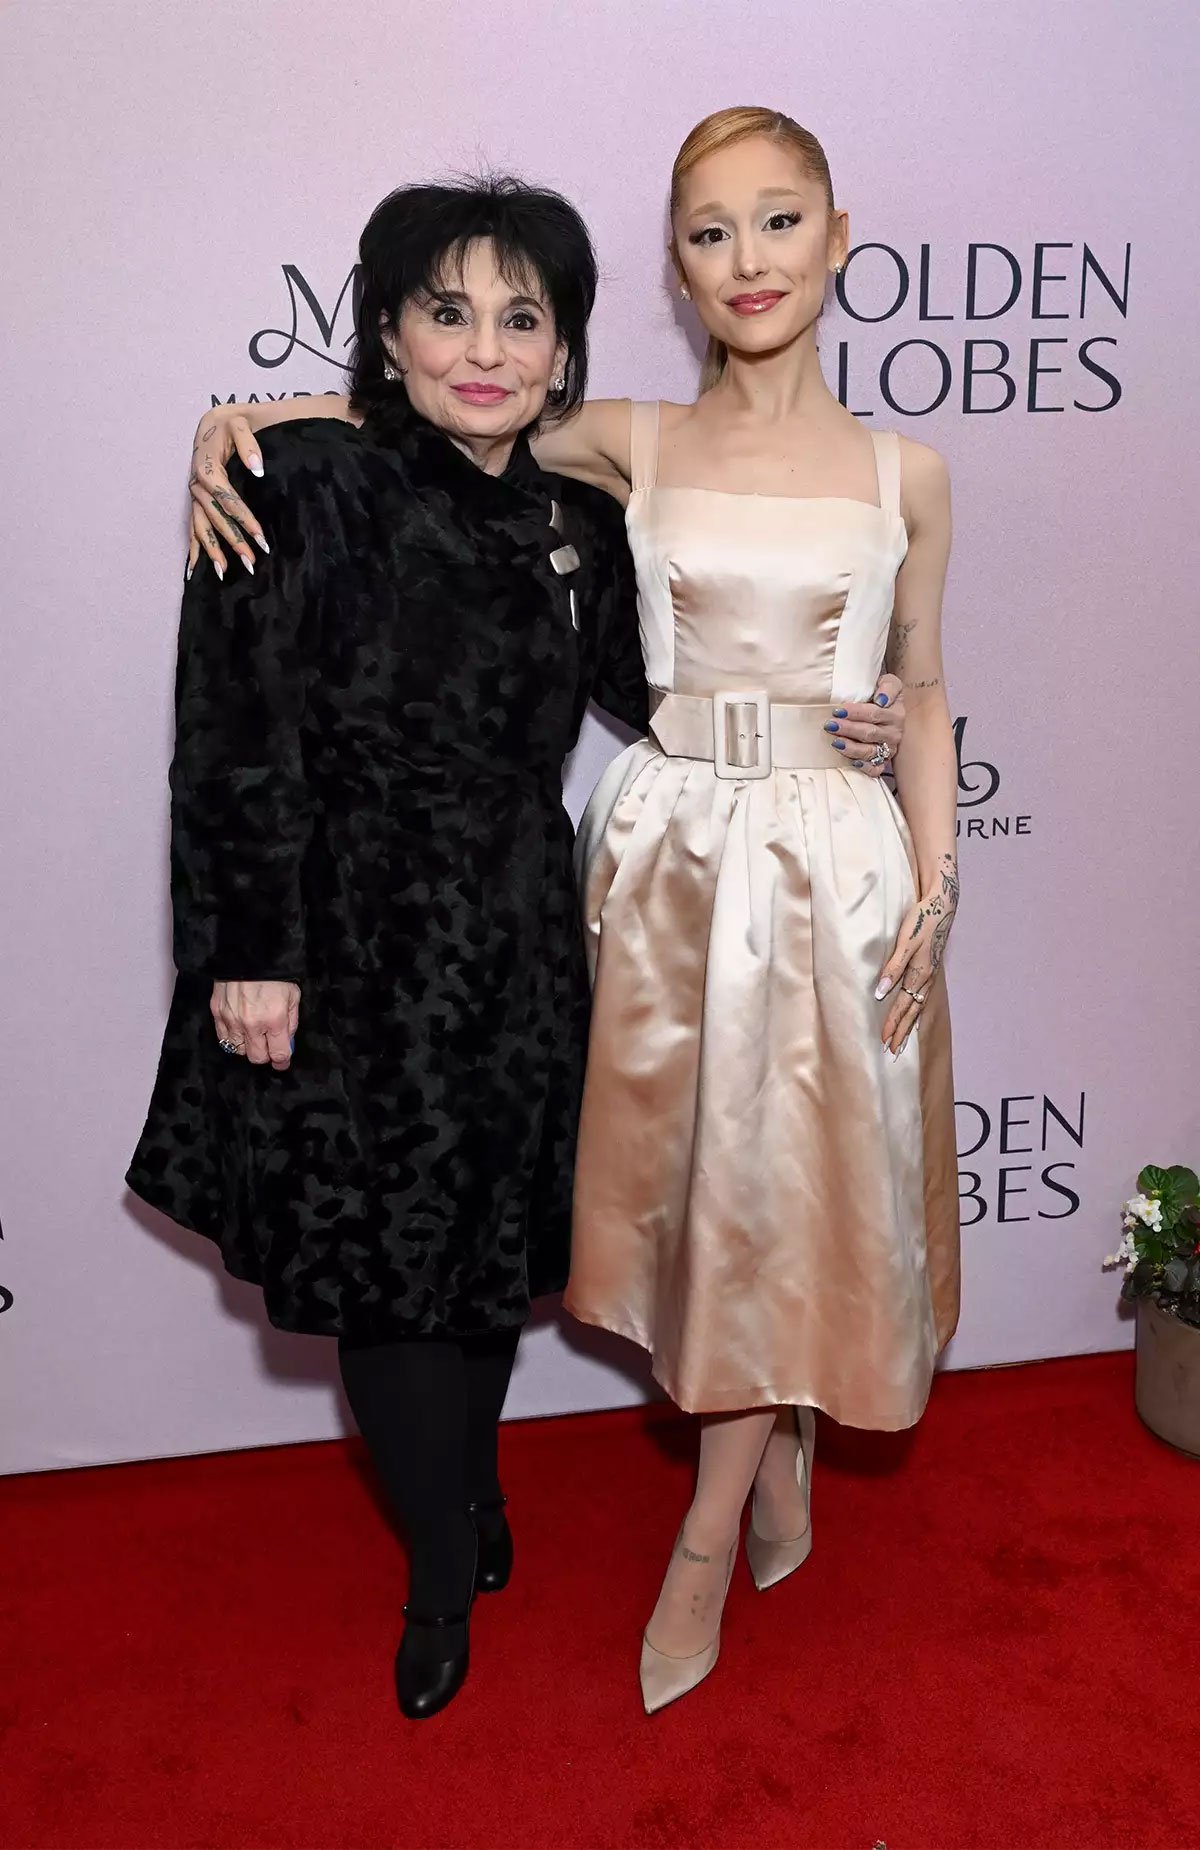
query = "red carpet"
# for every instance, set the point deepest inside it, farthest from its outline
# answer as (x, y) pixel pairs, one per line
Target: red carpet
(992, 1645)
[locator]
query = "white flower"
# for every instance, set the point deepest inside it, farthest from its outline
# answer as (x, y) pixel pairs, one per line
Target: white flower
(1126, 1253)
(1144, 1208)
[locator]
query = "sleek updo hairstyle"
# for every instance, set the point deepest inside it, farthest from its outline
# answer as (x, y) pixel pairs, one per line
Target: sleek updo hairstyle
(415, 243)
(725, 129)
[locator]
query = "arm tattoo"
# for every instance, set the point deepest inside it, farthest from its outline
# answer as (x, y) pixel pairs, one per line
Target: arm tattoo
(898, 646)
(206, 436)
(689, 1555)
(935, 682)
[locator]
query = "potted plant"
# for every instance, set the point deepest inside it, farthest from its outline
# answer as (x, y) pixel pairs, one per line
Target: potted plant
(1160, 1251)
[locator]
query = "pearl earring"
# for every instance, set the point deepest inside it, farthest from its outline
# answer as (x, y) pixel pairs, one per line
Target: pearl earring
(558, 386)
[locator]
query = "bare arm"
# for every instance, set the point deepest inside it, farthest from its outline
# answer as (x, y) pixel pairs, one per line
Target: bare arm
(218, 512)
(592, 445)
(926, 775)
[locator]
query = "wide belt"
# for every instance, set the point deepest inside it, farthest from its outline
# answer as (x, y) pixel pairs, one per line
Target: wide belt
(741, 732)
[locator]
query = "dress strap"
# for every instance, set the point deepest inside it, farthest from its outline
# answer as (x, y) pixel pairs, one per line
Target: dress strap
(643, 445)
(887, 469)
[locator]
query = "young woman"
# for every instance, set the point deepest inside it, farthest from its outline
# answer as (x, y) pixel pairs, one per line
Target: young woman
(769, 1053)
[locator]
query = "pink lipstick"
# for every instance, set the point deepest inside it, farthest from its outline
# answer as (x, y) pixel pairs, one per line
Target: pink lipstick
(482, 394)
(757, 304)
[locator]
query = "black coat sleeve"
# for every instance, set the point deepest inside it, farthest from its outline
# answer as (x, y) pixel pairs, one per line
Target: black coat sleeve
(241, 815)
(620, 683)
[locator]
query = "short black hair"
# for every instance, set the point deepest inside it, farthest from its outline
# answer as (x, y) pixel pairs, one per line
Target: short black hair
(419, 236)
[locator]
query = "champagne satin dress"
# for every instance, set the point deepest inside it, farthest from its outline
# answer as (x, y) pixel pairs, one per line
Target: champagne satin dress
(764, 1199)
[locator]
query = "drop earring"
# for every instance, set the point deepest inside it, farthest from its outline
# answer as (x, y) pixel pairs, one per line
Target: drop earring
(390, 373)
(685, 292)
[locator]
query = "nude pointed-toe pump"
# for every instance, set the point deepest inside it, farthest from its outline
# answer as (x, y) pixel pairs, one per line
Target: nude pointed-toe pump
(664, 1678)
(771, 1562)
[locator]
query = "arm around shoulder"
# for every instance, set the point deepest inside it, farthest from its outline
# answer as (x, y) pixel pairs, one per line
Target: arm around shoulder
(592, 445)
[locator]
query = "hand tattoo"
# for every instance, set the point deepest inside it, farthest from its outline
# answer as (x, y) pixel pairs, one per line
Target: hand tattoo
(950, 879)
(690, 1555)
(947, 905)
(227, 501)
(207, 435)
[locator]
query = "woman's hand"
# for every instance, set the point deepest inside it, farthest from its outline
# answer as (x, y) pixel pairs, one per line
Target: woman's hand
(858, 729)
(217, 512)
(917, 957)
(257, 1020)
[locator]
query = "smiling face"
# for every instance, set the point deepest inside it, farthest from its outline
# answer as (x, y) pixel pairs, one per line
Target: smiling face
(755, 240)
(478, 356)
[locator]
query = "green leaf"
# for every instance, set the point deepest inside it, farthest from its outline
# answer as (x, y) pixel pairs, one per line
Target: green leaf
(1185, 1184)
(1175, 1275)
(1151, 1180)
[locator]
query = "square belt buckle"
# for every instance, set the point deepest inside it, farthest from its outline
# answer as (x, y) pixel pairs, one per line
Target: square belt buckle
(742, 734)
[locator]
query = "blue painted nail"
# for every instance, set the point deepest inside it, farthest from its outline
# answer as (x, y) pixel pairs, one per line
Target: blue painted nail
(292, 1043)
(881, 700)
(831, 725)
(839, 745)
(840, 713)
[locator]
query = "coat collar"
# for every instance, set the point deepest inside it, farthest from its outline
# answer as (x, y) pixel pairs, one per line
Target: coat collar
(433, 460)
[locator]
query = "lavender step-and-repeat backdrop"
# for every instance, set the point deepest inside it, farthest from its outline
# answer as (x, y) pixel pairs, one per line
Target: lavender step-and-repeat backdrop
(183, 188)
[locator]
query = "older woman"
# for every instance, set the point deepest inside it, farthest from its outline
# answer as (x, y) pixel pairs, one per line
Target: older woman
(371, 1074)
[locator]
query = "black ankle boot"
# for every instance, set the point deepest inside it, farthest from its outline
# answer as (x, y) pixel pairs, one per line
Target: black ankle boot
(495, 1557)
(432, 1662)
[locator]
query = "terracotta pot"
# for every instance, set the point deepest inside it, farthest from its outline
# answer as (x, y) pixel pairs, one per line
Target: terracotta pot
(1167, 1394)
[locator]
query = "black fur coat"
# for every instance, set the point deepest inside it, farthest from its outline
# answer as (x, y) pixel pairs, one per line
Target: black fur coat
(366, 800)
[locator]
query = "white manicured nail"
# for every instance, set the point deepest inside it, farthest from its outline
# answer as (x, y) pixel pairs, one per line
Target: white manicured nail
(261, 543)
(885, 985)
(249, 564)
(255, 465)
(219, 570)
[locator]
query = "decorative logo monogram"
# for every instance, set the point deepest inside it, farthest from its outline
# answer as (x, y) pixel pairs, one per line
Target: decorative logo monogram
(978, 781)
(303, 297)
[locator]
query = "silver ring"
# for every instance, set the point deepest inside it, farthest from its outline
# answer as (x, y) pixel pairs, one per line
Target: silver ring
(881, 754)
(230, 1046)
(916, 995)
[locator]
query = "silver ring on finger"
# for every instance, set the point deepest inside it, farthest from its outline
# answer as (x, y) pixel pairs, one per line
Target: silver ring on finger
(915, 995)
(881, 754)
(231, 1046)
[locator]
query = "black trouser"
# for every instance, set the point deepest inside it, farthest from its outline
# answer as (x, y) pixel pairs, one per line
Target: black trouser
(429, 1410)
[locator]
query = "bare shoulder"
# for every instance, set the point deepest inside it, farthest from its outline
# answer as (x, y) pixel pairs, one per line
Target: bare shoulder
(922, 467)
(672, 415)
(924, 480)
